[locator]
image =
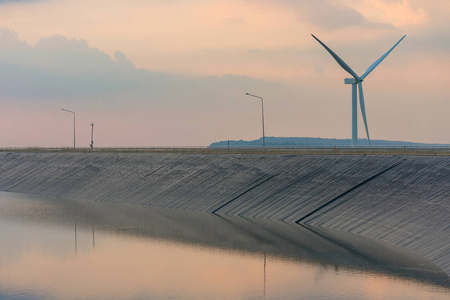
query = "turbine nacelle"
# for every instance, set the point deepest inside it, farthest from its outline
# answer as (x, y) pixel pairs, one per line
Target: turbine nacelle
(352, 80)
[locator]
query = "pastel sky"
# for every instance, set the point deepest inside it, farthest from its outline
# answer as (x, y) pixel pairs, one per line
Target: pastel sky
(175, 72)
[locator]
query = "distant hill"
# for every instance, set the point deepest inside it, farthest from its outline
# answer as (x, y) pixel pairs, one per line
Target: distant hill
(308, 141)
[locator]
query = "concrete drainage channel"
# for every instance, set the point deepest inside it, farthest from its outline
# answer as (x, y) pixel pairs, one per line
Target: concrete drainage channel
(395, 199)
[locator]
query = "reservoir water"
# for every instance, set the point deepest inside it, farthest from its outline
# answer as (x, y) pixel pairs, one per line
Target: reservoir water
(65, 249)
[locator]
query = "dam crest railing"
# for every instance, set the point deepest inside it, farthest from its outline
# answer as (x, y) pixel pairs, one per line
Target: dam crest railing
(312, 150)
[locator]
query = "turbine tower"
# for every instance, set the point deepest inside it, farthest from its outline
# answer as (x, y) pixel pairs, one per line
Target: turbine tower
(357, 80)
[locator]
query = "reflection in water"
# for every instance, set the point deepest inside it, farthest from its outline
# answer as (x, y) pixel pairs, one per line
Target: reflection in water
(93, 236)
(265, 262)
(76, 245)
(135, 252)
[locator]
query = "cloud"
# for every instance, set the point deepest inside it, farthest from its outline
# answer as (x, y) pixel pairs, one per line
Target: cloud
(59, 68)
(399, 13)
(331, 15)
(18, 1)
(10, 39)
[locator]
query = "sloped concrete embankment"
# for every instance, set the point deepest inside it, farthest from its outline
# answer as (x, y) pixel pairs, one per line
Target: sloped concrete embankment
(403, 201)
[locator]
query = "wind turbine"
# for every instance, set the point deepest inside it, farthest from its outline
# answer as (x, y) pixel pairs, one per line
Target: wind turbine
(357, 80)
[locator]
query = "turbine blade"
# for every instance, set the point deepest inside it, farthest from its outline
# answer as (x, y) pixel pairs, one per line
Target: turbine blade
(363, 109)
(375, 64)
(338, 59)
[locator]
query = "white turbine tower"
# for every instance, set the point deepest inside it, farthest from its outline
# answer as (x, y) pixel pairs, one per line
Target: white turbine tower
(357, 80)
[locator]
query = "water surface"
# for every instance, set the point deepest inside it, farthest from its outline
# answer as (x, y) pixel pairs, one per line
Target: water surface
(64, 249)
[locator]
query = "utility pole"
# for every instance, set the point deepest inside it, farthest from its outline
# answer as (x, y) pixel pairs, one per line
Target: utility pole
(92, 137)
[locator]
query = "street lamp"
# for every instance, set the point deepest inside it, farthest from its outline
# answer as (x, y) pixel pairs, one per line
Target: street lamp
(262, 110)
(73, 124)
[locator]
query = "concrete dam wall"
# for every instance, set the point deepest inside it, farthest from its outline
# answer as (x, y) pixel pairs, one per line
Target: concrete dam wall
(400, 200)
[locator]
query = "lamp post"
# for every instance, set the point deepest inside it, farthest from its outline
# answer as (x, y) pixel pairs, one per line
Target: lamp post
(262, 111)
(73, 124)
